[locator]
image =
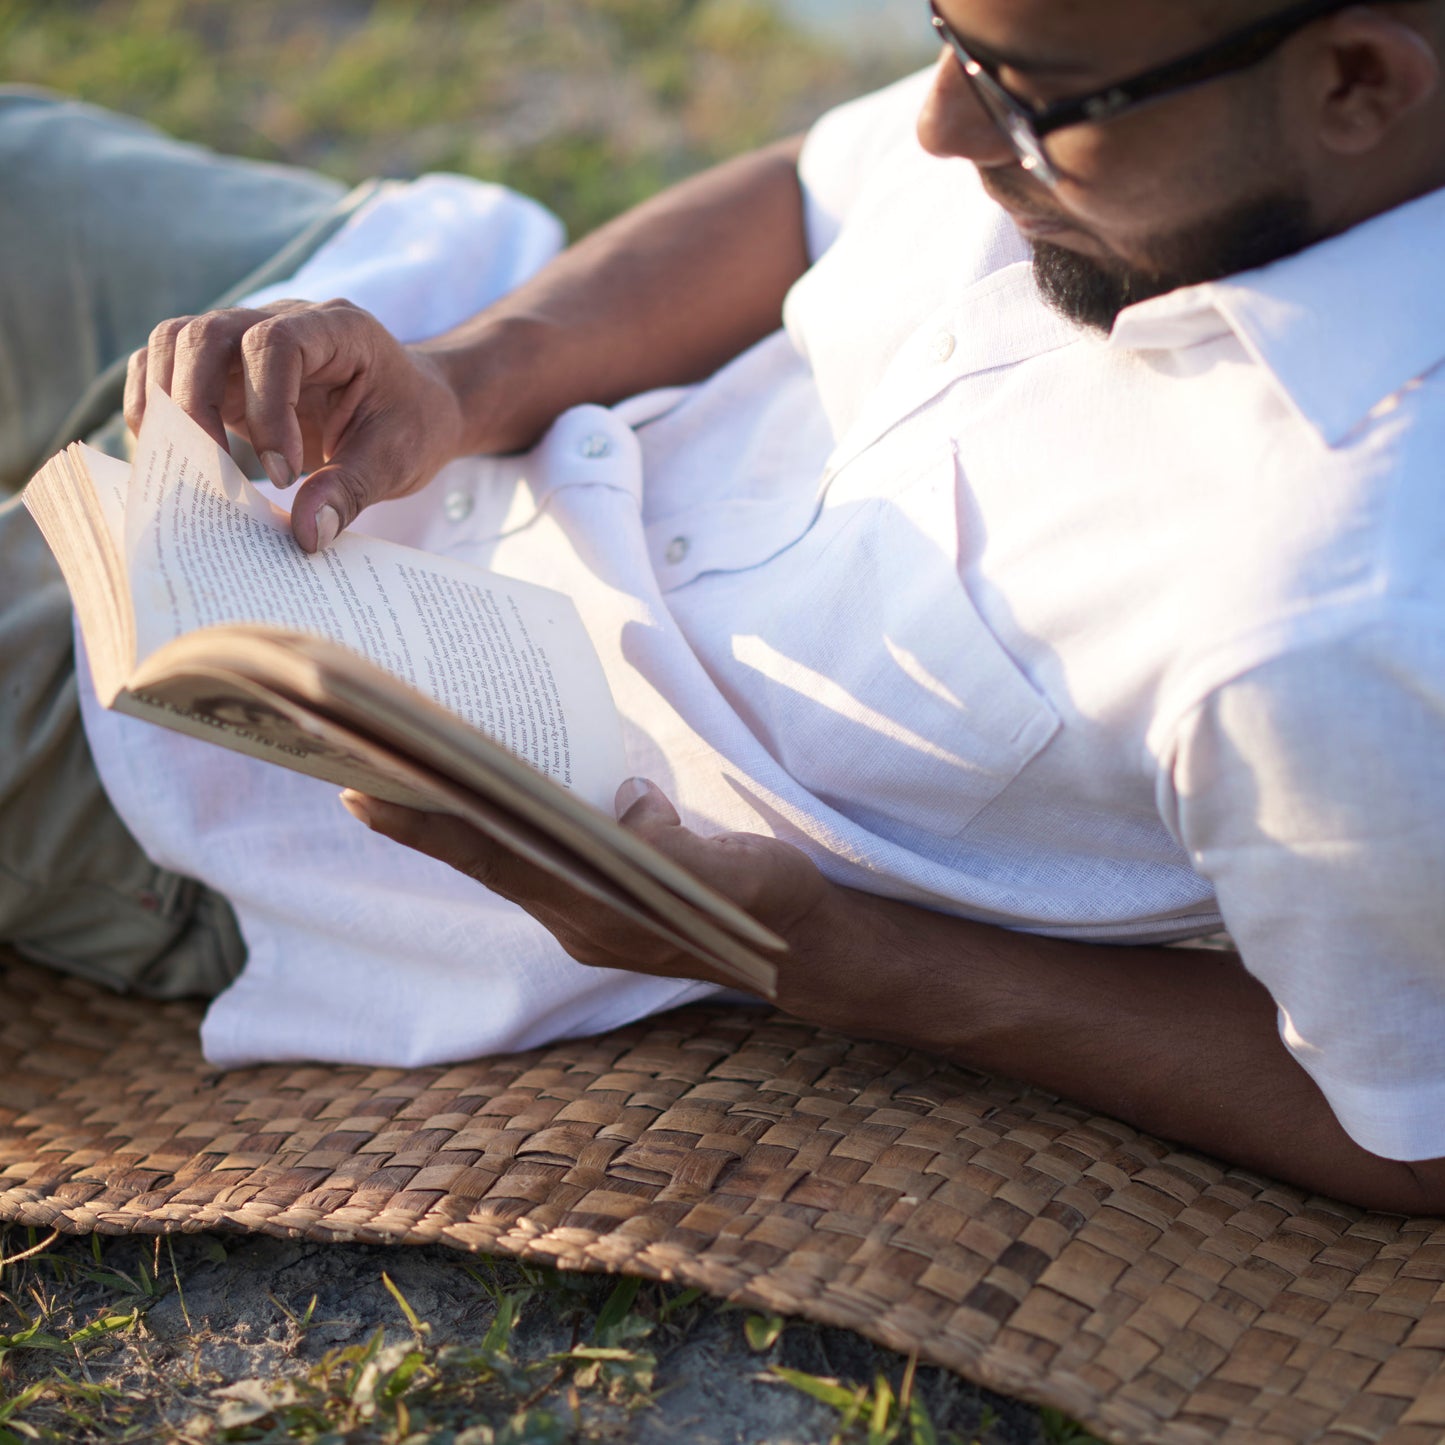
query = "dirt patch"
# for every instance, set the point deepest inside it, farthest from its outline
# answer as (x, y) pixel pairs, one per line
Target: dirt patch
(252, 1339)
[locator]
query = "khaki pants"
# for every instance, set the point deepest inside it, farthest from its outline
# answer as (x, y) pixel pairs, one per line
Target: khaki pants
(106, 228)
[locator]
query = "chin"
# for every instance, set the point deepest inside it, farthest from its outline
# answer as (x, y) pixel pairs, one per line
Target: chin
(1083, 288)
(1091, 284)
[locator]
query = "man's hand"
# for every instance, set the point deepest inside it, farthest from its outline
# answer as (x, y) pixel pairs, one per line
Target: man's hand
(662, 296)
(771, 881)
(323, 389)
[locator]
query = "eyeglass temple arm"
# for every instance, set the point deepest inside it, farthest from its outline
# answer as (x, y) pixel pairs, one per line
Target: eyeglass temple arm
(1233, 52)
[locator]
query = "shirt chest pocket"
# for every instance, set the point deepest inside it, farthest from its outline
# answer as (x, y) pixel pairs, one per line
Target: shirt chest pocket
(870, 676)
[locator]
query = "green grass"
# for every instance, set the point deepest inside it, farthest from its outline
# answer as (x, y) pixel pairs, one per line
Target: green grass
(588, 105)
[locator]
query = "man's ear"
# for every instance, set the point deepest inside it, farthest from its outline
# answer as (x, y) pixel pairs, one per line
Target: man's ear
(1375, 70)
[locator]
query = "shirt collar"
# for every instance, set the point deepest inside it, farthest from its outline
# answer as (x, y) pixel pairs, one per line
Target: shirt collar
(1341, 327)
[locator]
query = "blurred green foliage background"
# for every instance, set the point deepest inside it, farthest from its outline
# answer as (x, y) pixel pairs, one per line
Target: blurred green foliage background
(586, 104)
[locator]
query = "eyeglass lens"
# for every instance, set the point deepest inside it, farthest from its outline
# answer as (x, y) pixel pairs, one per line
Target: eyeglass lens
(1002, 108)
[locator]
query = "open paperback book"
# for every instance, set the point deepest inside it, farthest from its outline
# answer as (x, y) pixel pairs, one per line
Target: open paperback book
(408, 676)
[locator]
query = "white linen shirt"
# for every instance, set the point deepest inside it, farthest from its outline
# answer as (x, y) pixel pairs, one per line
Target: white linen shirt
(1108, 640)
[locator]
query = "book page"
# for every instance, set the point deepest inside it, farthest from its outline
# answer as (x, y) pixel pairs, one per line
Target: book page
(110, 480)
(78, 517)
(204, 548)
(217, 706)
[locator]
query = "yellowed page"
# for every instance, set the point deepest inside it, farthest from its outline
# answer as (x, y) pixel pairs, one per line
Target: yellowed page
(110, 481)
(239, 716)
(75, 516)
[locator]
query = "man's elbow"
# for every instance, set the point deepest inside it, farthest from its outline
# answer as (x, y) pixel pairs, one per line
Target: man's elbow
(1393, 1186)
(1426, 1194)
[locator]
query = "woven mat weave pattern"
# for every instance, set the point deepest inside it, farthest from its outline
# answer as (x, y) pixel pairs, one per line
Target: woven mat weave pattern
(1033, 1247)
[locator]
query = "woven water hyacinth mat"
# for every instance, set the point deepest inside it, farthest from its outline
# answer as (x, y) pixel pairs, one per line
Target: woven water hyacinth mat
(1037, 1249)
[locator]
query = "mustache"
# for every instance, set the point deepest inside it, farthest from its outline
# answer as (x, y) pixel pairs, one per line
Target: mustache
(1010, 185)
(1013, 189)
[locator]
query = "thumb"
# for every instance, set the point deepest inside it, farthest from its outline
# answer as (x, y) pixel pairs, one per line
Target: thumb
(377, 457)
(329, 501)
(644, 809)
(365, 467)
(641, 804)
(773, 881)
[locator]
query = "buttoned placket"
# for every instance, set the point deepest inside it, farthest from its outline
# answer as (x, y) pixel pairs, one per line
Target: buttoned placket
(482, 500)
(977, 333)
(973, 335)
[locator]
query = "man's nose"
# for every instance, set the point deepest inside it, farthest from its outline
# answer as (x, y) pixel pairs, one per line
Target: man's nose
(955, 122)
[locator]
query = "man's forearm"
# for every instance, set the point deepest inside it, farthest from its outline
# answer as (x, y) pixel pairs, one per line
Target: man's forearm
(1181, 1043)
(662, 296)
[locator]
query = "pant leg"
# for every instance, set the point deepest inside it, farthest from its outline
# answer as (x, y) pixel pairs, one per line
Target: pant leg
(106, 228)
(76, 891)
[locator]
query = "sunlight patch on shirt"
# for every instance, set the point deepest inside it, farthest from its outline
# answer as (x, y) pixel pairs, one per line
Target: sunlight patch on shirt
(909, 663)
(766, 660)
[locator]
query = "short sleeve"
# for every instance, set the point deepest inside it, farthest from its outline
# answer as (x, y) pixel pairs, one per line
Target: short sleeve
(844, 147)
(1311, 792)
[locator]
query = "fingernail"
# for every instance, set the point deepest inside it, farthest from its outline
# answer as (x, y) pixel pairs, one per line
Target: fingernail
(278, 469)
(359, 806)
(328, 524)
(634, 790)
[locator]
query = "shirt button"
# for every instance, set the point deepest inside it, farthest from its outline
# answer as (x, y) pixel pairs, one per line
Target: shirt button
(458, 506)
(676, 550)
(942, 347)
(595, 446)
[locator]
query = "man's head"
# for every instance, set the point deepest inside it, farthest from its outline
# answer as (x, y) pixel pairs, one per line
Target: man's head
(1343, 120)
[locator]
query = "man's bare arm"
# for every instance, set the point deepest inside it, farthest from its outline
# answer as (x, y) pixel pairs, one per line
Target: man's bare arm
(1181, 1043)
(663, 295)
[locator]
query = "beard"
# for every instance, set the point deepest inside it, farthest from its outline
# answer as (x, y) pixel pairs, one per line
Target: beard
(1092, 292)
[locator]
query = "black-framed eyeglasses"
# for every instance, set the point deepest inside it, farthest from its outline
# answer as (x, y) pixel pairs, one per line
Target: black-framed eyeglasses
(1028, 126)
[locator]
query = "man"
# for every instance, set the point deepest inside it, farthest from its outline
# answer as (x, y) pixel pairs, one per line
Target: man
(1085, 631)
